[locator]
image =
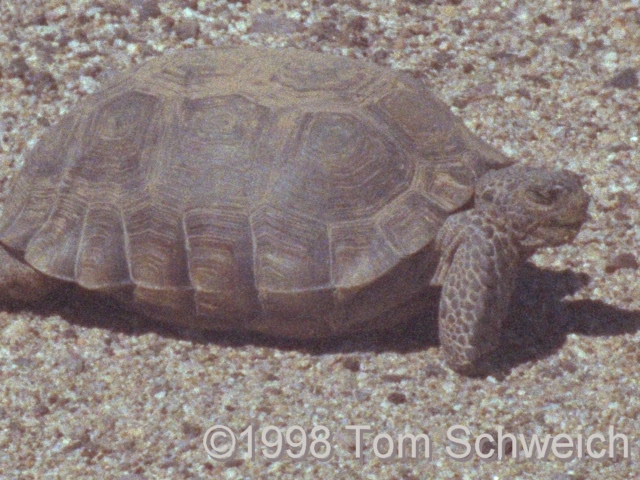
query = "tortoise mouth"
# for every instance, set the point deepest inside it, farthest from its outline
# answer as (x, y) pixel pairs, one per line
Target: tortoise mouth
(559, 233)
(569, 223)
(564, 227)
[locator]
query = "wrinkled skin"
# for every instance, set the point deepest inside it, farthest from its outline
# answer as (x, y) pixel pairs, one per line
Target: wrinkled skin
(517, 210)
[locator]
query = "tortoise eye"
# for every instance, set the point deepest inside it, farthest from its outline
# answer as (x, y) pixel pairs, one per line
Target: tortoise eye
(547, 196)
(487, 196)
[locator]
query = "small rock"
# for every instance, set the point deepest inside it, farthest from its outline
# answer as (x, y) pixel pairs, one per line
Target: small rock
(188, 28)
(624, 260)
(147, 8)
(352, 364)
(117, 8)
(274, 24)
(627, 78)
(56, 14)
(18, 67)
(397, 398)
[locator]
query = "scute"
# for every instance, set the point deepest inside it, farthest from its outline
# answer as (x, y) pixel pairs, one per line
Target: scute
(434, 133)
(102, 260)
(213, 152)
(53, 249)
(121, 121)
(156, 246)
(222, 124)
(198, 69)
(219, 248)
(305, 73)
(35, 187)
(340, 168)
(291, 252)
(359, 254)
(408, 221)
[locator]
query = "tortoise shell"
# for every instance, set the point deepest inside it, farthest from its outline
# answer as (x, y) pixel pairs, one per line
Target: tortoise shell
(280, 191)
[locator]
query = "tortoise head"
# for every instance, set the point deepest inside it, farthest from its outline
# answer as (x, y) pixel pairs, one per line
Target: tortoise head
(544, 207)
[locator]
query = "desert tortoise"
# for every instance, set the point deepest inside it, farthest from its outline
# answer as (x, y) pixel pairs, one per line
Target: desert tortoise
(280, 191)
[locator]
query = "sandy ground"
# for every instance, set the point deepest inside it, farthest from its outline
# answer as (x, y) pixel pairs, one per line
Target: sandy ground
(89, 392)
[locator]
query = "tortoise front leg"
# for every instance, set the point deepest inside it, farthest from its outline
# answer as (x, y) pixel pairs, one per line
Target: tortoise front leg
(477, 270)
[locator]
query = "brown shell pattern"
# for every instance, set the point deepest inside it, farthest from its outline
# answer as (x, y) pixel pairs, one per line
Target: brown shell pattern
(246, 182)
